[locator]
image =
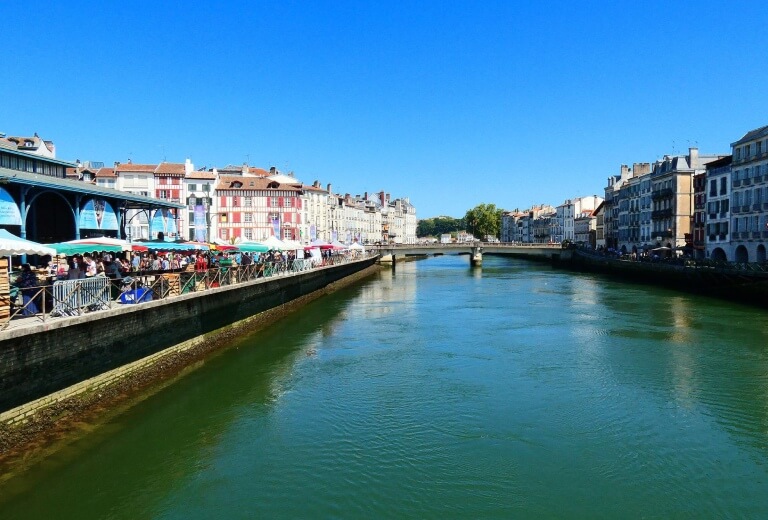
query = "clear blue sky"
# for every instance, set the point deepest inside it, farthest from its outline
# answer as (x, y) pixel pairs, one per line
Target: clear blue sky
(449, 103)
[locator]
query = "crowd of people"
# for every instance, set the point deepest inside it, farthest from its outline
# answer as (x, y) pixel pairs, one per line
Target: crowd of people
(119, 266)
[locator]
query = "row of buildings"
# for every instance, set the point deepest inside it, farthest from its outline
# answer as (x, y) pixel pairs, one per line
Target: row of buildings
(706, 206)
(226, 204)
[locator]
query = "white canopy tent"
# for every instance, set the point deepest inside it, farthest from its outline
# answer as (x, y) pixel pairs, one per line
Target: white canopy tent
(11, 245)
(274, 243)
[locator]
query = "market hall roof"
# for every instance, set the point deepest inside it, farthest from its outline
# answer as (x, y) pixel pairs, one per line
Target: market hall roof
(8, 176)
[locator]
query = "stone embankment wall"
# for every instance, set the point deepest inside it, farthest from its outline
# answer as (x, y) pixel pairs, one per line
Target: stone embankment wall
(46, 362)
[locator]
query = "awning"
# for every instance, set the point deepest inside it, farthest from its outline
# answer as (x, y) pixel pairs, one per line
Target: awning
(69, 248)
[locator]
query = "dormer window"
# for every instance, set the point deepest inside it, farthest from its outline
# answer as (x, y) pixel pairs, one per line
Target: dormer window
(29, 144)
(236, 184)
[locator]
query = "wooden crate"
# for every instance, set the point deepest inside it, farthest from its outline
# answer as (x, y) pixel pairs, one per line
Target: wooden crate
(5, 292)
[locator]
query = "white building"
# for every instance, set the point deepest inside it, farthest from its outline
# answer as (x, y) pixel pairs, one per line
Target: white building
(749, 197)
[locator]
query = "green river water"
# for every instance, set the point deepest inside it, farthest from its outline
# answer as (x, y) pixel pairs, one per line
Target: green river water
(442, 391)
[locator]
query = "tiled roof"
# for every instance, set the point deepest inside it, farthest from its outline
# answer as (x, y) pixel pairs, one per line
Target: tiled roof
(235, 182)
(34, 141)
(105, 172)
(202, 175)
(166, 168)
(130, 167)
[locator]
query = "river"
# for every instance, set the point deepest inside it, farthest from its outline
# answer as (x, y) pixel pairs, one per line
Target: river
(442, 391)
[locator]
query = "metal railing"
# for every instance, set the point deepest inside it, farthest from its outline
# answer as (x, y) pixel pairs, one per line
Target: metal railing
(725, 266)
(68, 298)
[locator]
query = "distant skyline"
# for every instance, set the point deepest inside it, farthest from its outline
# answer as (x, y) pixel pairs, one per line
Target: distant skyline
(449, 103)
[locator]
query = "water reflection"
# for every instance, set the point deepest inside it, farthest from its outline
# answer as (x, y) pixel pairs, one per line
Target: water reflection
(175, 433)
(514, 390)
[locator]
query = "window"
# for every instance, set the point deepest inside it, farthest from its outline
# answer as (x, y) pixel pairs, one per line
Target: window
(723, 186)
(192, 187)
(273, 202)
(247, 217)
(247, 202)
(758, 148)
(248, 234)
(712, 188)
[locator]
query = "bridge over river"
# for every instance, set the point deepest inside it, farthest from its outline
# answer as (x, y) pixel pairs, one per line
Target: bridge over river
(475, 250)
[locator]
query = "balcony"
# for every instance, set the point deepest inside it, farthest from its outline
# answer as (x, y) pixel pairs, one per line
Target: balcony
(736, 183)
(662, 194)
(661, 234)
(745, 208)
(764, 234)
(758, 179)
(661, 213)
(755, 235)
(756, 207)
(713, 216)
(712, 238)
(747, 182)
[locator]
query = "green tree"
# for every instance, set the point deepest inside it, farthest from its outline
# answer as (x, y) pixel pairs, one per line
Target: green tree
(425, 227)
(438, 225)
(484, 220)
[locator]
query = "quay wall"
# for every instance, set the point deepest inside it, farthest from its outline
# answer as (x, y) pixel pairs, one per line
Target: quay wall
(39, 362)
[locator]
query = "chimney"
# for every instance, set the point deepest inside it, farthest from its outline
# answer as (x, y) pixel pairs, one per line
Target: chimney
(272, 170)
(382, 198)
(624, 171)
(188, 167)
(693, 157)
(365, 195)
(641, 168)
(329, 189)
(316, 184)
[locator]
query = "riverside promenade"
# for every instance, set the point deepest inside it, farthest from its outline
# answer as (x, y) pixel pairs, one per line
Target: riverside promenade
(48, 358)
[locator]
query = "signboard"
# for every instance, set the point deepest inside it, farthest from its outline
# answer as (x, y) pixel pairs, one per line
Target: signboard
(162, 222)
(200, 223)
(9, 211)
(98, 214)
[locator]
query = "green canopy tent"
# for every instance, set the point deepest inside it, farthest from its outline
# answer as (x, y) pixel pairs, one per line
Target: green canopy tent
(69, 248)
(159, 245)
(252, 247)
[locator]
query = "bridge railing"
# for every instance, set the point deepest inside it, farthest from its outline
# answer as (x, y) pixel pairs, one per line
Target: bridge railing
(69, 298)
